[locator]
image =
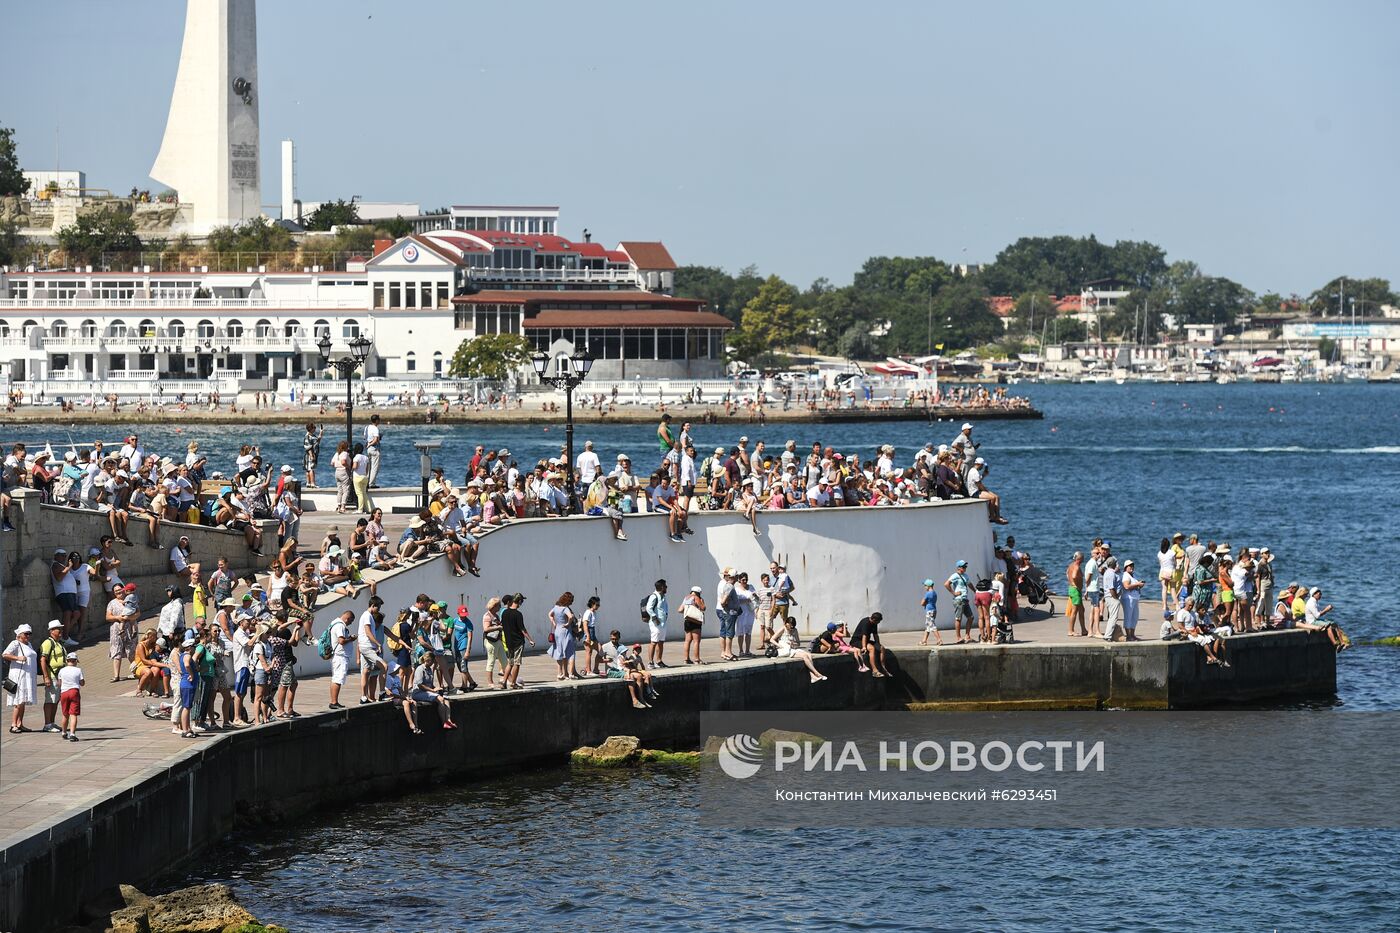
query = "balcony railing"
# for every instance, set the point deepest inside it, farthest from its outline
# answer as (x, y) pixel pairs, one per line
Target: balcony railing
(187, 344)
(562, 276)
(289, 304)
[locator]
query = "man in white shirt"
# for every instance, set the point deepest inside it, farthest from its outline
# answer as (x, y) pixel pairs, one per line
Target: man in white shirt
(1315, 620)
(343, 638)
(977, 489)
(372, 667)
(686, 489)
(243, 638)
(1112, 587)
(587, 464)
(372, 443)
(172, 615)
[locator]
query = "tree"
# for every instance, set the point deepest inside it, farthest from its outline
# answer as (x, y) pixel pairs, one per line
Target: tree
(490, 356)
(960, 317)
(772, 320)
(258, 235)
(333, 214)
(1193, 298)
(711, 285)
(1137, 317)
(14, 249)
(835, 313)
(856, 344)
(1061, 265)
(12, 180)
(397, 228)
(1369, 294)
(106, 230)
(918, 276)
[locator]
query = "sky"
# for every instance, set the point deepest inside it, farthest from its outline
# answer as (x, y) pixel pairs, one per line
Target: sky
(1258, 138)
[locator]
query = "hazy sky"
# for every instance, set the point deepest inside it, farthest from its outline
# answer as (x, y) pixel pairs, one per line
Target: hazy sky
(1259, 138)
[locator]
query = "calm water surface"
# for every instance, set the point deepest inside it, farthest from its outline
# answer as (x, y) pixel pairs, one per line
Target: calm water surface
(1311, 471)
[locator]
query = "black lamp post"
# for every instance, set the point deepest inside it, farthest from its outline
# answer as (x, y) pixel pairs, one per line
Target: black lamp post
(568, 373)
(346, 366)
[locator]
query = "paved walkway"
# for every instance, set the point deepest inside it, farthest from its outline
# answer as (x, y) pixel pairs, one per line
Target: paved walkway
(43, 777)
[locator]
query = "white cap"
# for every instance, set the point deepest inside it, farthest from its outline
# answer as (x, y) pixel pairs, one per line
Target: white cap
(24, 630)
(695, 589)
(967, 426)
(286, 468)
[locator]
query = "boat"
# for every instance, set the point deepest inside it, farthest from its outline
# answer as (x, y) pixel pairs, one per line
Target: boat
(1225, 379)
(1354, 374)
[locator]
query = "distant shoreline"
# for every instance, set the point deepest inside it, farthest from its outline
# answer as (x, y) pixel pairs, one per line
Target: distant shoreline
(526, 416)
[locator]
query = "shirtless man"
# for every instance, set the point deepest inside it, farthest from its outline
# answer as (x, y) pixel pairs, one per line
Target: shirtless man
(1074, 574)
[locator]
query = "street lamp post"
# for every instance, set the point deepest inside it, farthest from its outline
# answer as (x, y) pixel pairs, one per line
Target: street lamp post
(346, 366)
(568, 373)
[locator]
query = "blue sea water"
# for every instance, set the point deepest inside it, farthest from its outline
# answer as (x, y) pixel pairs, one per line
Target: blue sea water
(1311, 471)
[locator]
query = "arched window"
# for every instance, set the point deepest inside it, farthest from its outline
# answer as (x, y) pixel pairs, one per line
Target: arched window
(437, 364)
(4, 328)
(292, 329)
(205, 330)
(58, 329)
(146, 328)
(350, 329)
(175, 330)
(117, 328)
(28, 326)
(411, 362)
(263, 328)
(321, 328)
(234, 329)
(88, 328)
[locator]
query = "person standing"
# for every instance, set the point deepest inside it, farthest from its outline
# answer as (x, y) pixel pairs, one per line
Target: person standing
(23, 676)
(562, 645)
(53, 655)
(343, 639)
(340, 462)
(693, 616)
(655, 611)
(1093, 592)
(1166, 570)
(311, 452)
(1111, 585)
(958, 584)
(359, 475)
(372, 666)
(70, 683)
(463, 632)
(727, 608)
(744, 629)
(587, 465)
(1132, 597)
(1264, 585)
(763, 609)
(373, 441)
(930, 604)
(514, 636)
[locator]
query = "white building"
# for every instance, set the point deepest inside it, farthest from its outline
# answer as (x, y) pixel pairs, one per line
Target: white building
(137, 333)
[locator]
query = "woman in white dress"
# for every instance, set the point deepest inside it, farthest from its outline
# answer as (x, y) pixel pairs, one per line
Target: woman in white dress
(24, 674)
(1166, 570)
(744, 624)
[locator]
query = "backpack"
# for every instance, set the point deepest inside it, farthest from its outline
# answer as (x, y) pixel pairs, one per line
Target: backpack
(325, 645)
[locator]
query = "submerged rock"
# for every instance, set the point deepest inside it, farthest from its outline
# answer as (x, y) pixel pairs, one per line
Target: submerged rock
(204, 908)
(771, 737)
(655, 756)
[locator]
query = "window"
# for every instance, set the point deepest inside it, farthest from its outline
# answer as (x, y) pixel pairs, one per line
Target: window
(395, 295)
(88, 328)
(425, 294)
(175, 330)
(118, 329)
(234, 329)
(410, 362)
(670, 343)
(146, 328)
(114, 289)
(263, 328)
(437, 364)
(378, 295)
(443, 296)
(463, 318)
(350, 329)
(117, 361)
(321, 328)
(59, 329)
(293, 329)
(28, 326)
(204, 330)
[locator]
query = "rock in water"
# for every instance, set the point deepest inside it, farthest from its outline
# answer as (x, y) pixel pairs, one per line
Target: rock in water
(132, 897)
(771, 737)
(617, 750)
(205, 908)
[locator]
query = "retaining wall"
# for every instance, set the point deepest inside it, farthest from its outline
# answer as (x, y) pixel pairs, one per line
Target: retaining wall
(1145, 675)
(171, 813)
(25, 555)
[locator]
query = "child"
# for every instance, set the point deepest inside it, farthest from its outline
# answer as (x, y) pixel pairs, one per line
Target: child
(201, 594)
(842, 638)
(188, 678)
(930, 603)
(997, 614)
(70, 681)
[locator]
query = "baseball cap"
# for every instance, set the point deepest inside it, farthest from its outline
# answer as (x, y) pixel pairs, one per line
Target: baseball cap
(94, 552)
(831, 626)
(719, 450)
(461, 610)
(59, 552)
(928, 583)
(518, 598)
(70, 656)
(286, 468)
(967, 426)
(189, 640)
(962, 563)
(695, 589)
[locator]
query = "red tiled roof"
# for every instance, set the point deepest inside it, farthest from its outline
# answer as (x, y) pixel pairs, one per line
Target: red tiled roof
(648, 255)
(459, 241)
(438, 248)
(646, 318)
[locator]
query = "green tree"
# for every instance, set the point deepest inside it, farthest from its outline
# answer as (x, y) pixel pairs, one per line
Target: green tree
(1370, 294)
(836, 312)
(711, 285)
(772, 320)
(258, 235)
(12, 180)
(14, 249)
(1191, 297)
(1137, 317)
(397, 228)
(335, 213)
(1061, 265)
(959, 314)
(106, 230)
(917, 276)
(490, 356)
(856, 344)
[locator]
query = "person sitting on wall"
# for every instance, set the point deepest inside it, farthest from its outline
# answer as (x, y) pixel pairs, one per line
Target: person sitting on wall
(625, 663)
(866, 640)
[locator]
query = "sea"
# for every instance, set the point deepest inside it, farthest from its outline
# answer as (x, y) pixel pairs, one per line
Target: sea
(1311, 471)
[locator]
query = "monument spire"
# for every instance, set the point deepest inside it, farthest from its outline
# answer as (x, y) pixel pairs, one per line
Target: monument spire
(210, 152)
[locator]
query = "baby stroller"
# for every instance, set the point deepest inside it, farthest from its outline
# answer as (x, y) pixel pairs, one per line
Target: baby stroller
(1002, 632)
(1034, 586)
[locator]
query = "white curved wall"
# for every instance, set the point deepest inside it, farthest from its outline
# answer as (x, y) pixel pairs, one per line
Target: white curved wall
(846, 563)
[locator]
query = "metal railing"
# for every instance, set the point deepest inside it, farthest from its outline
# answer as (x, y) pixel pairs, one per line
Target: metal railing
(580, 276)
(213, 304)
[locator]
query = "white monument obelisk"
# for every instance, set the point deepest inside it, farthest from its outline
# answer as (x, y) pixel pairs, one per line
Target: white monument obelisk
(210, 151)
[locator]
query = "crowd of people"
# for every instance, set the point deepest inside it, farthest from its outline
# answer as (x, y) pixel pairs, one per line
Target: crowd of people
(1209, 591)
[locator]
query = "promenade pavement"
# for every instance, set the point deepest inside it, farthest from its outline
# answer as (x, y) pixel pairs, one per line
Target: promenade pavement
(43, 778)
